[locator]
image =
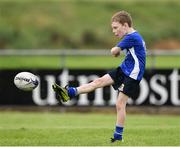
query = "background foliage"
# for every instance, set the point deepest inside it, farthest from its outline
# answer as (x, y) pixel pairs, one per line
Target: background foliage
(83, 24)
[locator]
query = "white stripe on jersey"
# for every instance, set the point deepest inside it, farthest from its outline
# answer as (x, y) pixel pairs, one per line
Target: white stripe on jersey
(136, 70)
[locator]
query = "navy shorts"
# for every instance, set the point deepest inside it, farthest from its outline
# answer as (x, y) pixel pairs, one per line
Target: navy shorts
(123, 83)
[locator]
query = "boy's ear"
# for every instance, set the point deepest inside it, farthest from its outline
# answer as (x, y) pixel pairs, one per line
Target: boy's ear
(126, 24)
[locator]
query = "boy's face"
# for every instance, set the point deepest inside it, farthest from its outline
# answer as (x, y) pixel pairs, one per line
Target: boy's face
(118, 29)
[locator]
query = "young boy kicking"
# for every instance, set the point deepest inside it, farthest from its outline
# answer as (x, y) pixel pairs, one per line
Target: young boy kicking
(125, 78)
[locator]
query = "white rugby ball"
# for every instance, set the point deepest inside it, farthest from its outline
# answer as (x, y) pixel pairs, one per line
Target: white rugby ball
(26, 81)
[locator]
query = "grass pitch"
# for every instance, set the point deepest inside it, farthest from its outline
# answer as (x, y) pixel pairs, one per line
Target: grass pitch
(81, 62)
(86, 129)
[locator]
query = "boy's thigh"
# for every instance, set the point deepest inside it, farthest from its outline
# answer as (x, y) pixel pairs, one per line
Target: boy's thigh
(106, 80)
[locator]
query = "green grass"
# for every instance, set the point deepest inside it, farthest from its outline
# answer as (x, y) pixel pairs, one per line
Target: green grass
(85, 129)
(81, 62)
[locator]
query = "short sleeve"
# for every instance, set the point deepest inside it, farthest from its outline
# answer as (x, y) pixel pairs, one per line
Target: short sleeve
(126, 43)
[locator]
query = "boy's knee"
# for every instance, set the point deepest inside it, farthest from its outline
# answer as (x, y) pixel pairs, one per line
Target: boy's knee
(119, 105)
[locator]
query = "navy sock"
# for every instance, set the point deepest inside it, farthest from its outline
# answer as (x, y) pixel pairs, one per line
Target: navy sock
(72, 92)
(118, 133)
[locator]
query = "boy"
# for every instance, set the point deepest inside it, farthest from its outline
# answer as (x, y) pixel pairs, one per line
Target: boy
(125, 78)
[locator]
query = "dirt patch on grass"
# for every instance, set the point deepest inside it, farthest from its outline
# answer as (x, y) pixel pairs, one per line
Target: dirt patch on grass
(130, 109)
(169, 44)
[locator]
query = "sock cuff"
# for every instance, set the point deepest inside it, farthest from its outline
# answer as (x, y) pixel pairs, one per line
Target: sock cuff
(119, 129)
(72, 92)
(117, 125)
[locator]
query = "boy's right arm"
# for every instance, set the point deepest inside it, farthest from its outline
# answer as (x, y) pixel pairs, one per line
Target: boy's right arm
(115, 51)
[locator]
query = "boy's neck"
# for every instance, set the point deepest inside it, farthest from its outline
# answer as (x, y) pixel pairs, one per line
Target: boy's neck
(130, 30)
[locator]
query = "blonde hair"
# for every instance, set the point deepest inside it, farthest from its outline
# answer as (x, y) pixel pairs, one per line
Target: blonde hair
(122, 17)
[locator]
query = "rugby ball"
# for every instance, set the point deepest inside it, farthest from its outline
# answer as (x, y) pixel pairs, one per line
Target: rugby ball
(26, 81)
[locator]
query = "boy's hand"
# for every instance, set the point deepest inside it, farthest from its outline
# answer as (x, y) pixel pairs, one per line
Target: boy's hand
(115, 51)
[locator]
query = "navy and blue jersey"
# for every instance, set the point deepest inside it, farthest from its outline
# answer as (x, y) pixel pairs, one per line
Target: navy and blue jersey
(135, 55)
